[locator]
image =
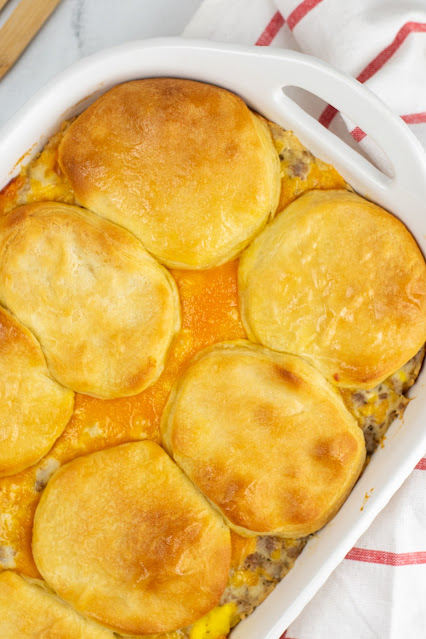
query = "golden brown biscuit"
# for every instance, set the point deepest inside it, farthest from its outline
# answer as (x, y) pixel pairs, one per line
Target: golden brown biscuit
(103, 309)
(30, 611)
(127, 539)
(185, 166)
(34, 409)
(265, 437)
(340, 282)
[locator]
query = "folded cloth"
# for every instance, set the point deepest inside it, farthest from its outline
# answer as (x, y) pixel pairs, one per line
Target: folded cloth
(379, 590)
(380, 42)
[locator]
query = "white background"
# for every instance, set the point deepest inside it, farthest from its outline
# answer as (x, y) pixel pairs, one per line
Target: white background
(78, 28)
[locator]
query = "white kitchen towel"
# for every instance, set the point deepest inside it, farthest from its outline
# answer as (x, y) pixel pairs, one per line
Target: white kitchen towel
(380, 42)
(379, 590)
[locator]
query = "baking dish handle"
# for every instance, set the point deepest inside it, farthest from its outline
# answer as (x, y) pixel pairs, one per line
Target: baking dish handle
(406, 189)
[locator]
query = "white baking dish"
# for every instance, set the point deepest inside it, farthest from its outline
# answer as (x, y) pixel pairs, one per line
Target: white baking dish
(259, 75)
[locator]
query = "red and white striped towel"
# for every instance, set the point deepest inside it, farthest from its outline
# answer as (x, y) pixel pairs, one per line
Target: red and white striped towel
(379, 590)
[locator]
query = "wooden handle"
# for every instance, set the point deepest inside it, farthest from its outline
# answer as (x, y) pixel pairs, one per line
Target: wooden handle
(3, 3)
(16, 34)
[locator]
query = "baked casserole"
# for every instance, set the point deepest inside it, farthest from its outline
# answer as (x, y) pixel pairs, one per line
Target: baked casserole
(205, 334)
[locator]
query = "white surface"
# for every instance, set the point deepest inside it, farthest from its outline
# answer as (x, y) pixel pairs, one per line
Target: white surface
(267, 70)
(78, 28)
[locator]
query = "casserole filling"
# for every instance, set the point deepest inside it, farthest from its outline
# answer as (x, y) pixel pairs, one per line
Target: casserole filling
(209, 302)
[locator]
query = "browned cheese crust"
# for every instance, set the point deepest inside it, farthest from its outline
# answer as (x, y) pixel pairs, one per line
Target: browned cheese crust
(104, 310)
(185, 166)
(127, 539)
(340, 282)
(265, 437)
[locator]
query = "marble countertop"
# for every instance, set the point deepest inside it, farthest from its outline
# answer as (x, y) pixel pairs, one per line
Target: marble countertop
(78, 28)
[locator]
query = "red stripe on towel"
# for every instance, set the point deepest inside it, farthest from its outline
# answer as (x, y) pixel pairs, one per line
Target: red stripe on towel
(386, 558)
(377, 63)
(387, 53)
(301, 11)
(271, 30)
(412, 118)
(327, 115)
(358, 134)
(422, 464)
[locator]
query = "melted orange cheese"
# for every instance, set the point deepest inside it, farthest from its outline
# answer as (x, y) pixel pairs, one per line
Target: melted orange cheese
(241, 548)
(209, 314)
(300, 170)
(319, 176)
